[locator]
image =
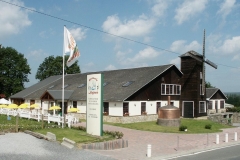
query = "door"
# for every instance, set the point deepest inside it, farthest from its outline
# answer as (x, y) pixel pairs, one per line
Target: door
(188, 110)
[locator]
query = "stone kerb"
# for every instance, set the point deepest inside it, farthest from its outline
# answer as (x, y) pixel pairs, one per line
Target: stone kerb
(51, 136)
(68, 143)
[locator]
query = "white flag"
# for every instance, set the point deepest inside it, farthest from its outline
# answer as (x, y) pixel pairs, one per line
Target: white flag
(70, 46)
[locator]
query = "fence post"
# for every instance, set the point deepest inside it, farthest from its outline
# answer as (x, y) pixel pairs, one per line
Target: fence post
(48, 118)
(217, 139)
(235, 136)
(226, 137)
(149, 150)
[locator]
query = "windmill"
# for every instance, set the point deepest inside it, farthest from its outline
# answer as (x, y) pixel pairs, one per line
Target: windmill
(203, 60)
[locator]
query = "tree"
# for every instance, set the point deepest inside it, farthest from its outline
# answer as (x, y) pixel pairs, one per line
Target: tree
(54, 66)
(208, 85)
(233, 99)
(14, 71)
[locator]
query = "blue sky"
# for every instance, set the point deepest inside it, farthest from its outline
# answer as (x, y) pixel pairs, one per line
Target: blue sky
(174, 25)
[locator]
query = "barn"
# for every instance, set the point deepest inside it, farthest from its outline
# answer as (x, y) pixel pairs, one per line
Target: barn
(127, 92)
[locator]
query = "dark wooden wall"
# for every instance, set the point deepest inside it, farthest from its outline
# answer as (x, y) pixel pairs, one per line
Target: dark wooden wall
(218, 95)
(190, 82)
(152, 91)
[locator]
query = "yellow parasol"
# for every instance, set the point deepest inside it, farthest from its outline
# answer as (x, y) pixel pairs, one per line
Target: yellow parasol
(54, 108)
(36, 106)
(3, 106)
(23, 106)
(73, 110)
(12, 106)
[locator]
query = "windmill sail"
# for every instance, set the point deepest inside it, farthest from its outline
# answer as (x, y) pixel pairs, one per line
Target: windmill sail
(211, 64)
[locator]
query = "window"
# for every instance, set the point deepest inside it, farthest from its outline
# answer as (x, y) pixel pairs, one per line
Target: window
(81, 85)
(105, 108)
(66, 85)
(210, 105)
(221, 104)
(74, 104)
(202, 107)
(51, 86)
(105, 83)
(143, 107)
(125, 109)
(171, 89)
(127, 84)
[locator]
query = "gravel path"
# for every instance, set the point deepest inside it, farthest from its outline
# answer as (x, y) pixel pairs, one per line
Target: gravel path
(22, 146)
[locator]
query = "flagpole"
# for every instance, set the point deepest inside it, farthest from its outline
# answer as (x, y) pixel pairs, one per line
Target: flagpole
(63, 119)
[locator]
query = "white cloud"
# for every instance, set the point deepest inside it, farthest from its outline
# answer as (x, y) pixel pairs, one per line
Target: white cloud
(13, 19)
(159, 8)
(175, 61)
(139, 59)
(189, 9)
(139, 27)
(37, 55)
(227, 47)
(78, 33)
(110, 67)
(226, 7)
(181, 47)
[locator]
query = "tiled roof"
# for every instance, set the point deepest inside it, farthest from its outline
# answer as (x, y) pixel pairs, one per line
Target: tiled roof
(187, 54)
(24, 93)
(113, 91)
(211, 91)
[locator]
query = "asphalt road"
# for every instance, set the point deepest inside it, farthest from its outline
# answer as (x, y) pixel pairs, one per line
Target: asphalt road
(22, 146)
(226, 153)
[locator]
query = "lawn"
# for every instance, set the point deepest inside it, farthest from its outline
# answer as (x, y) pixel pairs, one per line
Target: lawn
(193, 126)
(77, 135)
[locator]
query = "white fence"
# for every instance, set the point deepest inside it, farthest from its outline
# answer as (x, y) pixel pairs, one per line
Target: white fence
(35, 114)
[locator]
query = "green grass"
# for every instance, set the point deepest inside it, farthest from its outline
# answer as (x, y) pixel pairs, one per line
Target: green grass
(78, 136)
(193, 126)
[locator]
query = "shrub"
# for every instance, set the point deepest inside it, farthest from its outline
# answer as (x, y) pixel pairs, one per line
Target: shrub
(208, 126)
(182, 128)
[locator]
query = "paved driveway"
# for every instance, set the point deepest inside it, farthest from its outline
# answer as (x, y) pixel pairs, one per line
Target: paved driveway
(22, 146)
(165, 144)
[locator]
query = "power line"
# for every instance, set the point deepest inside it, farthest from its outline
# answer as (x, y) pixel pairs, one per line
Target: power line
(98, 30)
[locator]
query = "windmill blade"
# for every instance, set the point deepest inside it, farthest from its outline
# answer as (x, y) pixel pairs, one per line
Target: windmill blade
(211, 64)
(195, 57)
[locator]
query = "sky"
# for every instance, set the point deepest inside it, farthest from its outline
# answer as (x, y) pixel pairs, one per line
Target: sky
(113, 34)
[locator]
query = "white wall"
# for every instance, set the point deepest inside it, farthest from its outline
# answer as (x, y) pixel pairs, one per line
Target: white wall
(115, 109)
(81, 105)
(151, 107)
(134, 108)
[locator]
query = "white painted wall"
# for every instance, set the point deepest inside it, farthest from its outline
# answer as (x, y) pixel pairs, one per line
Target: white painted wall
(81, 105)
(151, 107)
(115, 109)
(134, 108)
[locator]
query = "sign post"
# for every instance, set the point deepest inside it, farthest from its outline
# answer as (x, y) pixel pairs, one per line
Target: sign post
(95, 104)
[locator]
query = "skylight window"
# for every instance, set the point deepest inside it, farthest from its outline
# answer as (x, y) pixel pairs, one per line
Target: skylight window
(128, 83)
(66, 85)
(81, 85)
(51, 86)
(105, 83)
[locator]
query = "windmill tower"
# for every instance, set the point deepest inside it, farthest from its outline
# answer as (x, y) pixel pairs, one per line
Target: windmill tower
(193, 91)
